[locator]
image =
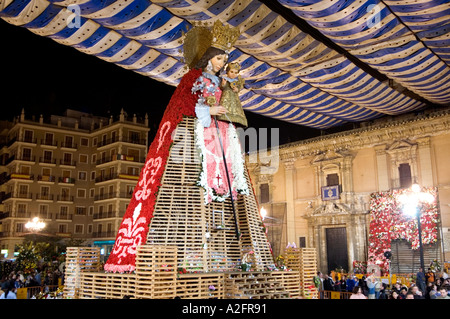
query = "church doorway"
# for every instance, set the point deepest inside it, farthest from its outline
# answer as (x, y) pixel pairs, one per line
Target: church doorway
(337, 253)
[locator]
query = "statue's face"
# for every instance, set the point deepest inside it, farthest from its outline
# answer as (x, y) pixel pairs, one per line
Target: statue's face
(218, 62)
(233, 73)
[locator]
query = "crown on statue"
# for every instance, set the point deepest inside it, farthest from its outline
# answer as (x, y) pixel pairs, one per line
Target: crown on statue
(201, 36)
(224, 37)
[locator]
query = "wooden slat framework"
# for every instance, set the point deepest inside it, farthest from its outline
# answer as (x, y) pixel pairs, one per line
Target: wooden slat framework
(156, 274)
(97, 285)
(79, 260)
(201, 286)
(304, 260)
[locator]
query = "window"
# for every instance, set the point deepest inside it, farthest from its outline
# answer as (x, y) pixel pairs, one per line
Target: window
(28, 136)
(134, 137)
(79, 229)
(80, 210)
(84, 141)
(26, 154)
(45, 192)
(81, 193)
(21, 209)
(46, 171)
(68, 141)
(48, 156)
(133, 171)
(264, 191)
(23, 191)
(67, 159)
(332, 179)
(25, 170)
(404, 172)
(48, 140)
(20, 227)
(62, 228)
(302, 242)
(63, 212)
(82, 176)
(83, 158)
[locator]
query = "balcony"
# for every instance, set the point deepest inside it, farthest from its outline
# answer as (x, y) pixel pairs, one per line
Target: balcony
(104, 234)
(104, 215)
(45, 197)
(23, 158)
(135, 141)
(69, 145)
(29, 177)
(18, 196)
(49, 143)
(66, 217)
(66, 180)
(46, 178)
(68, 163)
(121, 157)
(64, 198)
(44, 160)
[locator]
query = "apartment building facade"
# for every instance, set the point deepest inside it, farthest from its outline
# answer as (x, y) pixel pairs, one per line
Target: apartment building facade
(76, 173)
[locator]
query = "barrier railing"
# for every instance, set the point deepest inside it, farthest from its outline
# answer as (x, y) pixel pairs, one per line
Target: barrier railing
(29, 292)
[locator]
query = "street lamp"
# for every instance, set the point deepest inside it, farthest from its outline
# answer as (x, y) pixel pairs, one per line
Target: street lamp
(413, 202)
(35, 225)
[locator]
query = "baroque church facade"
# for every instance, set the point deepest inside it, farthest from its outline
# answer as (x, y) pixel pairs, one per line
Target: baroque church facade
(319, 194)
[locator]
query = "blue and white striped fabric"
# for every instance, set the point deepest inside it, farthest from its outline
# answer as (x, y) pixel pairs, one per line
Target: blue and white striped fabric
(289, 75)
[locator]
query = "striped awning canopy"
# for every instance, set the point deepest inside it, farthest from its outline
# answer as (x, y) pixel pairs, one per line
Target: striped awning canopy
(314, 63)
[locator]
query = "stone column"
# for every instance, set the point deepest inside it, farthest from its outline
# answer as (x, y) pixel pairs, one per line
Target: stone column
(382, 168)
(289, 174)
(426, 168)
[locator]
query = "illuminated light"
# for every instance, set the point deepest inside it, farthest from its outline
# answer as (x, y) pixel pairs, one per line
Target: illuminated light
(263, 213)
(415, 188)
(35, 225)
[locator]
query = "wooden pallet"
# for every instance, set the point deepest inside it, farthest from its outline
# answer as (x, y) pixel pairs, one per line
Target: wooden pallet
(97, 285)
(201, 286)
(254, 285)
(303, 260)
(79, 260)
(156, 272)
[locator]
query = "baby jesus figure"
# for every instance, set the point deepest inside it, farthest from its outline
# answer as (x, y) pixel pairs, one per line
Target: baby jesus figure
(231, 84)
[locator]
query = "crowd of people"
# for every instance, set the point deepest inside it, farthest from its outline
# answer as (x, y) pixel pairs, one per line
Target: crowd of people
(429, 285)
(40, 277)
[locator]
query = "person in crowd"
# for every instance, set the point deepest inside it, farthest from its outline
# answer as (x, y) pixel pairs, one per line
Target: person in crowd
(443, 293)
(9, 292)
(351, 283)
(421, 280)
(383, 292)
(430, 276)
(431, 291)
(371, 285)
(409, 295)
(403, 292)
(394, 294)
(357, 293)
(343, 283)
(417, 292)
(328, 283)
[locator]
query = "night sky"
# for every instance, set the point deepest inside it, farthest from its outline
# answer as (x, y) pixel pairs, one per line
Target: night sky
(45, 77)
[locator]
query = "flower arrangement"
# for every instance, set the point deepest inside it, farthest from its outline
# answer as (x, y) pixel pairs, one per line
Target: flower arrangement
(134, 227)
(387, 223)
(359, 267)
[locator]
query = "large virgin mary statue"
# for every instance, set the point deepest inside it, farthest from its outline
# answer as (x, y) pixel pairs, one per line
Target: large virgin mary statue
(222, 169)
